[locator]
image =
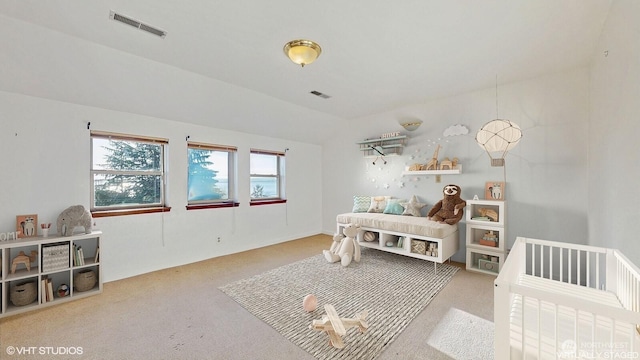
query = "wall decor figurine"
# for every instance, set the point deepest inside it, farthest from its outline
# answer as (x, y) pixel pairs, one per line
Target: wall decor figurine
(494, 190)
(27, 225)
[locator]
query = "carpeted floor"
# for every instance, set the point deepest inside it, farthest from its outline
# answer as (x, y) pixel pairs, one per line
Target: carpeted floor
(473, 336)
(392, 288)
(179, 313)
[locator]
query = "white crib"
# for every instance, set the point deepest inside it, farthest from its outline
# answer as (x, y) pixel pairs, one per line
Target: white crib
(556, 300)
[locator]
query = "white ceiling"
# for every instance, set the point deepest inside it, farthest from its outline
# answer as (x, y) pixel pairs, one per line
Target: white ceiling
(377, 55)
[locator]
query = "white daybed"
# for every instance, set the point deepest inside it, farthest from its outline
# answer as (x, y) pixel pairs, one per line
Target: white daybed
(414, 236)
(556, 300)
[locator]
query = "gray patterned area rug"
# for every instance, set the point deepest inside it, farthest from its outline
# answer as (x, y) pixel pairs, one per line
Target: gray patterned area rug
(392, 288)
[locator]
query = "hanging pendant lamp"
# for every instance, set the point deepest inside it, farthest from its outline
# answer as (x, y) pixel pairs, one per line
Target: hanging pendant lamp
(498, 136)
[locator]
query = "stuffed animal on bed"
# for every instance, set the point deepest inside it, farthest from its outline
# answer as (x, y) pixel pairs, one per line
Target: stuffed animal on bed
(449, 209)
(344, 248)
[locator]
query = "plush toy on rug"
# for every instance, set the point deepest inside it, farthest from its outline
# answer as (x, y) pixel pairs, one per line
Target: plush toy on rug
(344, 248)
(449, 209)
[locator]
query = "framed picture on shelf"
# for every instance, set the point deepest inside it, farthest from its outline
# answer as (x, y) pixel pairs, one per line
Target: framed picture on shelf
(494, 190)
(27, 225)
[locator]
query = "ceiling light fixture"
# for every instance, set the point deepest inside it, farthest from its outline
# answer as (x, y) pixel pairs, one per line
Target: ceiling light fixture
(302, 52)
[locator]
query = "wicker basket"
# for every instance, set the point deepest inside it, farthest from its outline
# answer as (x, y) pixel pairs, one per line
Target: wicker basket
(84, 280)
(24, 294)
(418, 247)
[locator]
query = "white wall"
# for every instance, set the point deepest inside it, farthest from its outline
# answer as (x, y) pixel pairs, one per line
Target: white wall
(44, 152)
(615, 126)
(546, 173)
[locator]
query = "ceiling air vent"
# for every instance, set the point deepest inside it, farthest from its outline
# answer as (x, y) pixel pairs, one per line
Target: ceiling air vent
(137, 24)
(318, 93)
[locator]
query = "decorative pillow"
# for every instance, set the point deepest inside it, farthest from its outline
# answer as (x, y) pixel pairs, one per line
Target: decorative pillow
(378, 203)
(413, 207)
(361, 203)
(394, 207)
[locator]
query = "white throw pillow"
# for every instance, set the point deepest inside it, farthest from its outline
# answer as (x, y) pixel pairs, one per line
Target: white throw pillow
(378, 203)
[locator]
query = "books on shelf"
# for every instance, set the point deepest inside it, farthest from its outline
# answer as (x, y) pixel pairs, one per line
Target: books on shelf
(46, 289)
(78, 255)
(481, 218)
(49, 290)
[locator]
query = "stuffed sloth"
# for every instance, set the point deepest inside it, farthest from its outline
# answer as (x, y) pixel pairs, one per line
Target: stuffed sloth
(449, 209)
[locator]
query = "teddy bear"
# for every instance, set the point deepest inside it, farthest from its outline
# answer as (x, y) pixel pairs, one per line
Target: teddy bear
(344, 248)
(449, 209)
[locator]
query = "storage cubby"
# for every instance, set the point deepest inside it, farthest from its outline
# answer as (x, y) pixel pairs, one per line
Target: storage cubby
(489, 236)
(487, 262)
(21, 269)
(389, 240)
(436, 250)
(51, 259)
(57, 279)
(20, 294)
(486, 234)
(488, 212)
(80, 277)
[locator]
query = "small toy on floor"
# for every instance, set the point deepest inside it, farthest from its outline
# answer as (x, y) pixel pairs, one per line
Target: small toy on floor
(336, 327)
(344, 248)
(310, 303)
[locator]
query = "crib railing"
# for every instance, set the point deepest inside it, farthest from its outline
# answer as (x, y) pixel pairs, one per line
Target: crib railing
(587, 266)
(627, 280)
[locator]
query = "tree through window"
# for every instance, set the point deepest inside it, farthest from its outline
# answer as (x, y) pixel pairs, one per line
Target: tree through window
(126, 171)
(211, 174)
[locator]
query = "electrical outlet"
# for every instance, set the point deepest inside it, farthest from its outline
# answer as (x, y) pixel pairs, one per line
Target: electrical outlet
(219, 239)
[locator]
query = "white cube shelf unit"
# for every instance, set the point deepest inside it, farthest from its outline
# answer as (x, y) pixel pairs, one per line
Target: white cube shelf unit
(420, 247)
(486, 235)
(52, 260)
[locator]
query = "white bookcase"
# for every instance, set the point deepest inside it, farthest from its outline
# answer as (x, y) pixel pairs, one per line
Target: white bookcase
(52, 258)
(485, 238)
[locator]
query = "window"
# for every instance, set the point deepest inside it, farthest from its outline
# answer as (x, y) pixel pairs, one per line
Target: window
(266, 172)
(211, 177)
(127, 173)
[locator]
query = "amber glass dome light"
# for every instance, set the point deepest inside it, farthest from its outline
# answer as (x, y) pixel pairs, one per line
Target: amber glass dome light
(302, 52)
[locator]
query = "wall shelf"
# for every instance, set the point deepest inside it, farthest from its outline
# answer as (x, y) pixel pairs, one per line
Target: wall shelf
(455, 171)
(390, 146)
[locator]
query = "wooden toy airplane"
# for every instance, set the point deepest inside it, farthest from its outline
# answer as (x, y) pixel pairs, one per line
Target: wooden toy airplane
(336, 327)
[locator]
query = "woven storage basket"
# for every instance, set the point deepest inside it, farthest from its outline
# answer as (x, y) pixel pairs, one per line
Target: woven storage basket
(418, 247)
(24, 294)
(84, 280)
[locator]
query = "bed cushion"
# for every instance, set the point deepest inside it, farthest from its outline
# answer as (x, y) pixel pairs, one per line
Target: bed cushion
(414, 225)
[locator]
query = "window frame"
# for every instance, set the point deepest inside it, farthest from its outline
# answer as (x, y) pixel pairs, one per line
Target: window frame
(280, 166)
(133, 209)
(231, 201)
